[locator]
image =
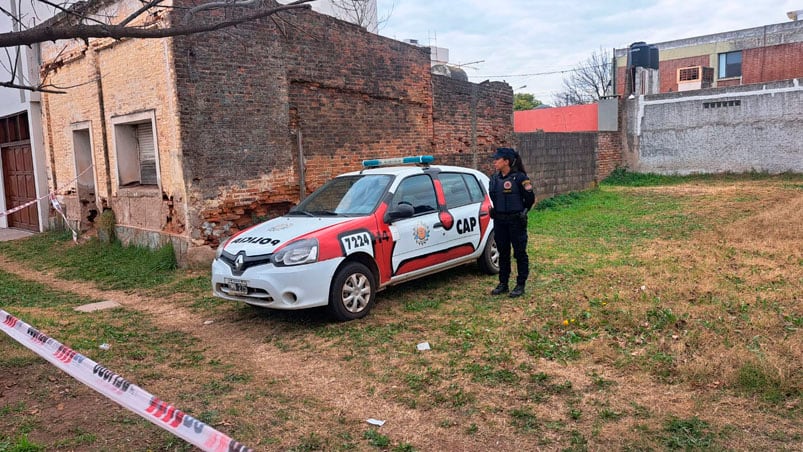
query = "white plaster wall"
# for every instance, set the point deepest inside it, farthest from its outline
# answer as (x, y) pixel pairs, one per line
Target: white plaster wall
(676, 134)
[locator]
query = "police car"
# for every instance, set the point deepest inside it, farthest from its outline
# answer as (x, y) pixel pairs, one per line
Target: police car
(361, 232)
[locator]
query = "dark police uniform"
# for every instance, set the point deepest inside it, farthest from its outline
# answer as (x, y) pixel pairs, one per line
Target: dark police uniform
(512, 197)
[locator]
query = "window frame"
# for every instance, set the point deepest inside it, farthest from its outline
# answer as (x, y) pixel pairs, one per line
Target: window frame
(724, 65)
(469, 183)
(132, 121)
(414, 196)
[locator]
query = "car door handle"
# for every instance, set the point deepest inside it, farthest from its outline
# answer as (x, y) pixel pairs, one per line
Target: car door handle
(438, 225)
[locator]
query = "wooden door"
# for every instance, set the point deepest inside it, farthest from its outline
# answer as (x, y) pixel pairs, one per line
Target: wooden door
(19, 184)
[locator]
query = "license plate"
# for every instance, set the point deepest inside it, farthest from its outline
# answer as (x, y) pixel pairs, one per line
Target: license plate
(237, 286)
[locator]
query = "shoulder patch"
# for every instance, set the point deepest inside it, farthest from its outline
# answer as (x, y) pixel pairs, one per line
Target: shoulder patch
(527, 184)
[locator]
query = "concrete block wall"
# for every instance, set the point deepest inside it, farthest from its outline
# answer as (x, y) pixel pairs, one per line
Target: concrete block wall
(560, 162)
(737, 129)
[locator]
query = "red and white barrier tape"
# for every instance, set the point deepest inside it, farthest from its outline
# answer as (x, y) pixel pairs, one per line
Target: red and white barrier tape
(117, 388)
(53, 201)
(18, 208)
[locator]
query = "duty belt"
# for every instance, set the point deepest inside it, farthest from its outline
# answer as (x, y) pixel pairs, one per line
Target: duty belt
(507, 216)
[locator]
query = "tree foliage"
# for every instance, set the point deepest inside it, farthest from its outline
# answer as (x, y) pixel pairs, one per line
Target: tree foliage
(525, 101)
(589, 82)
(75, 19)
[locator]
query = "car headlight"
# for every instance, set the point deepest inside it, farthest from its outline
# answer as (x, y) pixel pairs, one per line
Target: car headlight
(301, 252)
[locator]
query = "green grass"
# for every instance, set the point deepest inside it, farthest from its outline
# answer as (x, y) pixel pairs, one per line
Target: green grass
(687, 434)
(111, 266)
(565, 382)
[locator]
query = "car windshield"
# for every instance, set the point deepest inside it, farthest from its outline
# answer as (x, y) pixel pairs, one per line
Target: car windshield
(347, 195)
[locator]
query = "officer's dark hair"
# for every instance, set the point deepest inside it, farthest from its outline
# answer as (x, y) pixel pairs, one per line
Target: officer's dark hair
(517, 164)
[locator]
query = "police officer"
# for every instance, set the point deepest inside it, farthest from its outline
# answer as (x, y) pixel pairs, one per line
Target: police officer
(512, 196)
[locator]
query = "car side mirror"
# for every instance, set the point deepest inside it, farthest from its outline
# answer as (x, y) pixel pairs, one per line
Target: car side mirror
(401, 210)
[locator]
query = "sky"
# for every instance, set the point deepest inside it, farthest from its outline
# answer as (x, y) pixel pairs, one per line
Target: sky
(517, 41)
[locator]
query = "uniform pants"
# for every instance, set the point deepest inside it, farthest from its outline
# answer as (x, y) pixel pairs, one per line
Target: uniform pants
(512, 232)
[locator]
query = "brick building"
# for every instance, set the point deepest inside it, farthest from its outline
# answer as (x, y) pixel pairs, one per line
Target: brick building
(755, 55)
(195, 137)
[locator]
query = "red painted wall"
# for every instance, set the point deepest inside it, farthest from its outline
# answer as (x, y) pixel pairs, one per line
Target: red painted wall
(574, 118)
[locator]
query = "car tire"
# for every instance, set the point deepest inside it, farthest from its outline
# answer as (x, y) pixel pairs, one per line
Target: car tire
(352, 292)
(489, 261)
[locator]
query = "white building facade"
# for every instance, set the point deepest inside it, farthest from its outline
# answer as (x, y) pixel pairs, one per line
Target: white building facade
(23, 168)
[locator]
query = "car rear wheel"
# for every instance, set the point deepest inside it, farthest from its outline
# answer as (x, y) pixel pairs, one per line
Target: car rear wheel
(352, 293)
(489, 261)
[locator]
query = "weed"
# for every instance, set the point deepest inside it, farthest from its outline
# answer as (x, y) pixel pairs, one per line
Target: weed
(309, 442)
(376, 439)
(524, 419)
(486, 373)
(561, 349)
(21, 444)
(753, 378)
(687, 434)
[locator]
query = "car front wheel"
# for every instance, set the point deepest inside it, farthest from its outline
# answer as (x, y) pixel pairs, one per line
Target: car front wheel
(489, 261)
(352, 293)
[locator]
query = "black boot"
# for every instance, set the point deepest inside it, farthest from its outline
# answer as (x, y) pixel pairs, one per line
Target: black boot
(500, 289)
(517, 291)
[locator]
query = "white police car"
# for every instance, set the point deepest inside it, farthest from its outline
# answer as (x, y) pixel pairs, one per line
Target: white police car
(358, 234)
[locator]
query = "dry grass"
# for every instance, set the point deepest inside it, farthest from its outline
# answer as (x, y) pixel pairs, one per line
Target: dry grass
(683, 330)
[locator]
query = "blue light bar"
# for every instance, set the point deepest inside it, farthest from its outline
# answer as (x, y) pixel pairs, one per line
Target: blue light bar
(425, 159)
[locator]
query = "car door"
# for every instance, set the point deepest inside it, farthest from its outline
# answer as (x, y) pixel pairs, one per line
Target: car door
(464, 197)
(418, 241)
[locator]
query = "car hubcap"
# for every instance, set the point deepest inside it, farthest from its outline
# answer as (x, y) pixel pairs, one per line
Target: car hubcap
(495, 255)
(356, 292)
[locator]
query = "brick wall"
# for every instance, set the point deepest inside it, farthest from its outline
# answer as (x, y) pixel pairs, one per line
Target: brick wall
(322, 88)
(109, 79)
(239, 113)
(608, 153)
(779, 62)
(470, 120)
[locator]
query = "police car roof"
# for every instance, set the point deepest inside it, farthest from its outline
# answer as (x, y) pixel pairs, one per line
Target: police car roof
(406, 170)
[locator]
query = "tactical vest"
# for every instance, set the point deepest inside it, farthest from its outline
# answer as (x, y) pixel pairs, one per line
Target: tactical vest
(507, 199)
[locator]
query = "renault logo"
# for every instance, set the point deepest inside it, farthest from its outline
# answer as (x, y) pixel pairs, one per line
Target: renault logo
(238, 262)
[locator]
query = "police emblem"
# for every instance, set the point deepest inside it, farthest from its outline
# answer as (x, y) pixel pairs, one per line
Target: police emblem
(421, 233)
(507, 185)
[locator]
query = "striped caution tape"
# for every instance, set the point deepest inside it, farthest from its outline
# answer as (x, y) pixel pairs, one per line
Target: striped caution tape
(118, 389)
(18, 208)
(49, 195)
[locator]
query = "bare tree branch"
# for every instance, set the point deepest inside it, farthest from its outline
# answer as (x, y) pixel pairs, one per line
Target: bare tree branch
(47, 32)
(589, 82)
(139, 12)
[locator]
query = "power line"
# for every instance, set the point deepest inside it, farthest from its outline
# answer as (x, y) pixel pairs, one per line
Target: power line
(542, 73)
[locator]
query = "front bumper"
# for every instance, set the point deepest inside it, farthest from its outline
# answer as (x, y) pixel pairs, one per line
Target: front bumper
(269, 286)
